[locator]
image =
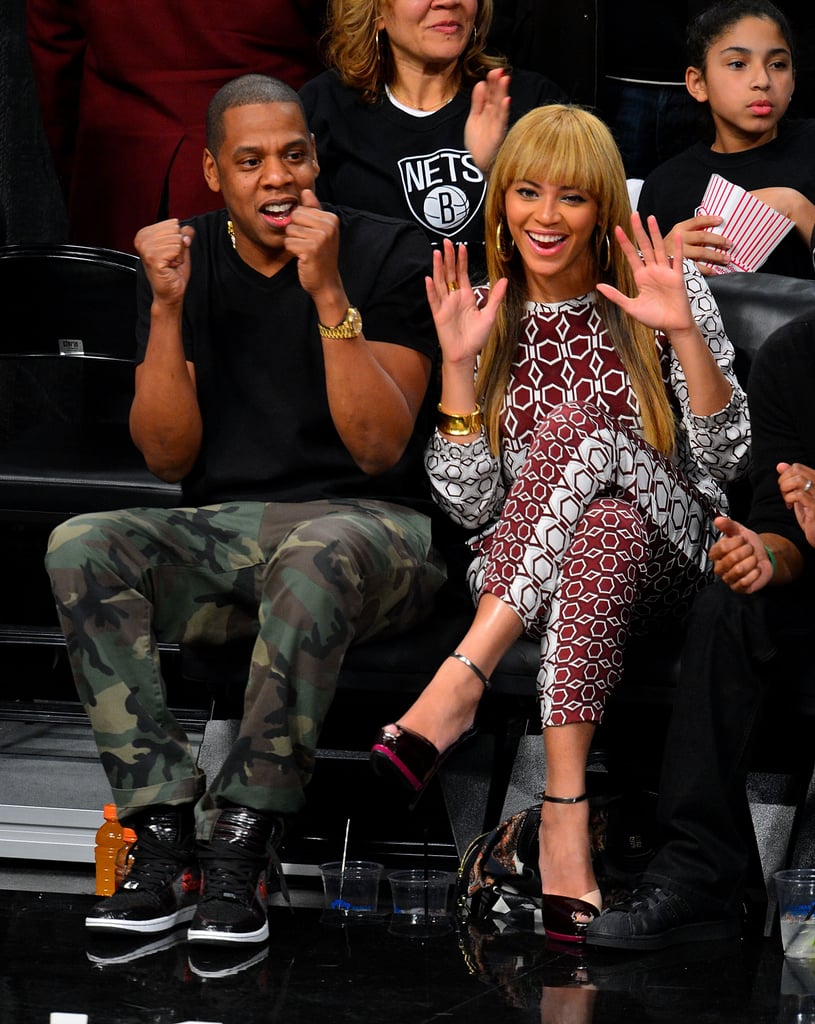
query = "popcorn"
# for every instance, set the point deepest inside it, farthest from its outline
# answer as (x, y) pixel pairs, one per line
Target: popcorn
(752, 227)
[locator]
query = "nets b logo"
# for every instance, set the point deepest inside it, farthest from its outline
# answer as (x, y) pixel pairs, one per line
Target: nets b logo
(444, 190)
(446, 208)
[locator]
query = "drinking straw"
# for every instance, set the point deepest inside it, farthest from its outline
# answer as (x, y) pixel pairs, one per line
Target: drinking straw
(344, 855)
(425, 859)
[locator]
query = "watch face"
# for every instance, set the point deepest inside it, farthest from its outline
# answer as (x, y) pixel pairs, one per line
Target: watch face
(354, 320)
(349, 327)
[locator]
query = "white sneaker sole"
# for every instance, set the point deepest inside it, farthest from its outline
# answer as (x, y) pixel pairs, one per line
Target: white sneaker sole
(155, 924)
(210, 936)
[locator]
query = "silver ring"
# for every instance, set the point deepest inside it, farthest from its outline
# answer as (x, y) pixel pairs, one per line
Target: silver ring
(807, 486)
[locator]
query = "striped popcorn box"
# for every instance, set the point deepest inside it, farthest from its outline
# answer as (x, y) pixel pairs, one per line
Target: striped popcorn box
(752, 228)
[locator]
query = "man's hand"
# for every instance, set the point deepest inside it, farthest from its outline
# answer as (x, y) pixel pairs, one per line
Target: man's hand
(313, 236)
(797, 486)
(739, 557)
(165, 420)
(164, 249)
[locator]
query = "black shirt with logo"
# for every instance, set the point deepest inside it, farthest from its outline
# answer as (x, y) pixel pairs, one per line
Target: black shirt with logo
(377, 157)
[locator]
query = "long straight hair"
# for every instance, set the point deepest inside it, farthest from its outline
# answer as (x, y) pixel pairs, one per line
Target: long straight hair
(571, 146)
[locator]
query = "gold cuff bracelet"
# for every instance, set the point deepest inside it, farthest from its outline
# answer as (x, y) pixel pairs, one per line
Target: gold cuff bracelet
(458, 424)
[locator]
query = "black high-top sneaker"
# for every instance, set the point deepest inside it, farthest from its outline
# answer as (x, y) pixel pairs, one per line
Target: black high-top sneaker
(161, 888)
(235, 866)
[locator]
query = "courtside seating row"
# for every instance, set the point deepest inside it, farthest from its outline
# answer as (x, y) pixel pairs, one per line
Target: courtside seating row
(66, 381)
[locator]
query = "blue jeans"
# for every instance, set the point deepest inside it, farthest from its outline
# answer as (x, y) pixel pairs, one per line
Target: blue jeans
(650, 122)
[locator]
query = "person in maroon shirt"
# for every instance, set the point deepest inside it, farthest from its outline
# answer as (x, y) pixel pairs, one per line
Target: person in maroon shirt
(123, 89)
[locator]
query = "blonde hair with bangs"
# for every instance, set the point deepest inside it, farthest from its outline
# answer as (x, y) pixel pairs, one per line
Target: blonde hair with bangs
(570, 146)
(362, 57)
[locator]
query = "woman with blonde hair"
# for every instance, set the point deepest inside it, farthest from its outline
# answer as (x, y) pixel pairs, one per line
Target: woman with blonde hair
(411, 111)
(588, 436)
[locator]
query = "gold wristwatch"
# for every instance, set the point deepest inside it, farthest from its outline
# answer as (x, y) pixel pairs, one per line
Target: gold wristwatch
(349, 327)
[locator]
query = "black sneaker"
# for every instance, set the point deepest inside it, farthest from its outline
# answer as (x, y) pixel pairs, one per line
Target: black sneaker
(161, 888)
(235, 865)
(210, 961)
(654, 918)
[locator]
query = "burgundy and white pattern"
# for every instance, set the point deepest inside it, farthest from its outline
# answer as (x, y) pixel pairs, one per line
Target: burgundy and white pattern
(586, 527)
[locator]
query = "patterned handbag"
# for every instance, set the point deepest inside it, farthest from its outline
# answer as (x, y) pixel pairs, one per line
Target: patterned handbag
(499, 883)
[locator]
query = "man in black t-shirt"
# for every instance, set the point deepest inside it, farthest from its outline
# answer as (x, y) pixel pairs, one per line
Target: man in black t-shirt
(748, 649)
(284, 358)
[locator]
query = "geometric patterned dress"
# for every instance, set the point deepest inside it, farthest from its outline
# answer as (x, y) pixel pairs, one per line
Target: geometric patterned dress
(586, 530)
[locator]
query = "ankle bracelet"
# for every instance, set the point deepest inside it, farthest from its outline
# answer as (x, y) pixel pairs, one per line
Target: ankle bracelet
(472, 667)
(564, 799)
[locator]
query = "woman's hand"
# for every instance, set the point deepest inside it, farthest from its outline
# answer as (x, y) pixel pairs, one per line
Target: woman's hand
(489, 116)
(797, 486)
(661, 302)
(462, 327)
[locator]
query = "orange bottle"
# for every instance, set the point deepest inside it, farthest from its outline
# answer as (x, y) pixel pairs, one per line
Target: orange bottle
(124, 858)
(108, 843)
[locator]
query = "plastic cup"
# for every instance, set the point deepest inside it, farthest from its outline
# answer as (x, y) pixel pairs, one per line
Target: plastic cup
(795, 888)
(797, 998)
(420, 900)
(352, 889)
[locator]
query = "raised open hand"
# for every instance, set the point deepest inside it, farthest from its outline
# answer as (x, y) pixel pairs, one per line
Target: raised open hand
(462, 328)
(661, 302)
(489, 116)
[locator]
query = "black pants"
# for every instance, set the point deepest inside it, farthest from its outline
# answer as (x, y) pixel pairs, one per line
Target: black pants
(743, 654)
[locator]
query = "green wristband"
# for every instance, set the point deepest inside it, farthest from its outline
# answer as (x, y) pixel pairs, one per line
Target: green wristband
(771, 557)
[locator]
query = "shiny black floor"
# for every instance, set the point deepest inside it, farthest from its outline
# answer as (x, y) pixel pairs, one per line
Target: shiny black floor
(312, 970)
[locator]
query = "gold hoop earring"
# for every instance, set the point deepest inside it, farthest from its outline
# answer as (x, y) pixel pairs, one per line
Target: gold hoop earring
(500, 247)
(604, 260)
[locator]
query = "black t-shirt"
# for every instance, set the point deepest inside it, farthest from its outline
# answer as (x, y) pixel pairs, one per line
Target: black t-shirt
(380, 158)
(268, 432)
(673, 190)
(782, 411)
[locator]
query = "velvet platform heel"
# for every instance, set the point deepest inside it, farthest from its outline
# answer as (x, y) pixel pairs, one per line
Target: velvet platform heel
(566, 918)
(410, 759)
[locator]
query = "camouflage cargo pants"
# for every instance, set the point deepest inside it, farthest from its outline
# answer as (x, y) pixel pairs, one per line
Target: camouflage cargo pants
(306, 579)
